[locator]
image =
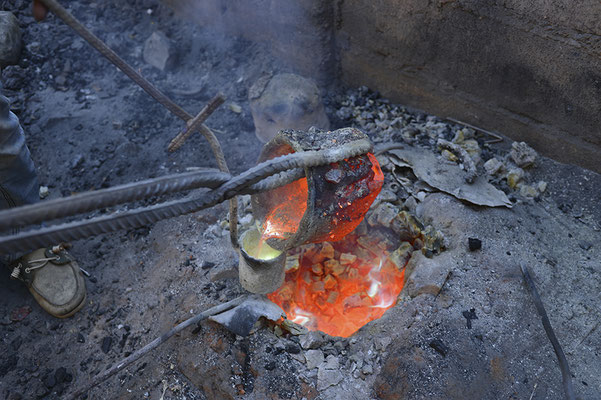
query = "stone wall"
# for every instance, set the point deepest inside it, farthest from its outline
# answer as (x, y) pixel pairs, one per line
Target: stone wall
(529, 69)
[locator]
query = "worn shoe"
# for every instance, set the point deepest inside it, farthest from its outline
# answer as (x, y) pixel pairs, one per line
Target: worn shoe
(54, 279)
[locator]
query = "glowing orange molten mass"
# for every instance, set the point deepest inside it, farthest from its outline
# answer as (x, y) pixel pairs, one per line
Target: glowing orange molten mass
(338, 287)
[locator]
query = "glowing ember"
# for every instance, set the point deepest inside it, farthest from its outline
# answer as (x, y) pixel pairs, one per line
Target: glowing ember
(339, 287)
(285, 217)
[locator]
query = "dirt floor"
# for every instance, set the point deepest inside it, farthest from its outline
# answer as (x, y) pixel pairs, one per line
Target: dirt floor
(476, 335)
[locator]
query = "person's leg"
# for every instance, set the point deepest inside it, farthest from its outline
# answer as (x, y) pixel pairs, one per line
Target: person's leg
(18, 178)
(51, 274)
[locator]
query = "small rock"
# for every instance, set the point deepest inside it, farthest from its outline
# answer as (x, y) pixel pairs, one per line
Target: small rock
(522, 154)
(439, 347)
(80, 338)
(235, 108)
(10, 39)
(541, 186)
(493, 166)
(327, 378)
(106, 344)
(312, 340)
(157, 51)
(367, 369)
(44, 192)
(314, 358)
(514, 176)
(270, 366)
(293, 348)
(528, 191)
(474, 244)
(331, 362)
(426, 275)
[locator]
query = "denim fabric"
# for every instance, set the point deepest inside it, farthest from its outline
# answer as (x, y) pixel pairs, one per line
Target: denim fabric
(18, 178)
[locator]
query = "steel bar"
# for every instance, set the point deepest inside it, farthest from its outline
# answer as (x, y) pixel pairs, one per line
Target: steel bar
(561, 357)
(136, 218)
(153, 345)
(98, 199)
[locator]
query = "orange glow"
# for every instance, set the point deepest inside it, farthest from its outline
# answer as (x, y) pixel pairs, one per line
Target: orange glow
(364, 191)
(284, 219)
(339, 287)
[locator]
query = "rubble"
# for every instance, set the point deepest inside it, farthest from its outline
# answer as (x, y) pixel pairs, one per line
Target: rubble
(158, 51)
(10, 39)
(523, 155)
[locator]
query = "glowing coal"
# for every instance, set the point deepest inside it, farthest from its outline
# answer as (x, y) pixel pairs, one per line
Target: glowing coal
(338, 287)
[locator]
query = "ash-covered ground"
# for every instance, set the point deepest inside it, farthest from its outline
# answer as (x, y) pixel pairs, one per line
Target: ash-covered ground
(465, 327)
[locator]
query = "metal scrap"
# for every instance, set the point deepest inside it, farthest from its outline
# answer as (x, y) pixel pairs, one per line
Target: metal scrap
(242, 318)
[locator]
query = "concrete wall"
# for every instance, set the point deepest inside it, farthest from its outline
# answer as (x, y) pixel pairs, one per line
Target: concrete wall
(529, 69)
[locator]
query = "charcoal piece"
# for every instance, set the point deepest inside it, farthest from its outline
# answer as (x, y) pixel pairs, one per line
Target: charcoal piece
(469, 316)
(474, 244)
(107, 342)
(439, 347)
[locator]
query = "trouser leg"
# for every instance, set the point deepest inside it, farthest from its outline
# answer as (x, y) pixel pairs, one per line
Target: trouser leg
(18, 178)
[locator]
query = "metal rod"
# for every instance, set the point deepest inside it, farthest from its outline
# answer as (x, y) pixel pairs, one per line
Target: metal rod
(106, 51)
(561, 357)
(153, 345)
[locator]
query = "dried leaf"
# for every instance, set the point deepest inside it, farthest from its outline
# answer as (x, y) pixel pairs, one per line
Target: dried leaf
(449, 178)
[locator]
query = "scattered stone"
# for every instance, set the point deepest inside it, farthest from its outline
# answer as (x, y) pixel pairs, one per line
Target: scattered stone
(327, 378)
(10, 39)
(367, 369)
(19, 313)
(331, 362)
(493, 167)
(474, 244)
(523, 155)
(514, 176)
(157, 51)
(285, 101)
(312, 340)
(235, 108)
(44, 192)
(293, 348)
(426, 275)
(314, 358)
(80, 338)
(207, 265)
(541, 186)
(107, 342)
(528, 191)
(270, 366)
(439, 347)
(382, 215)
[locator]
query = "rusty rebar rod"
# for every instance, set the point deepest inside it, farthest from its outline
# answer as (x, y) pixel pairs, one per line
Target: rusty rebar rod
(568, 387)
(110, 55)
(194, 123)
(153, 345)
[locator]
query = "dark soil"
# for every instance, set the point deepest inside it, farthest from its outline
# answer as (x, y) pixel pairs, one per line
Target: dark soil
(88, 126)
